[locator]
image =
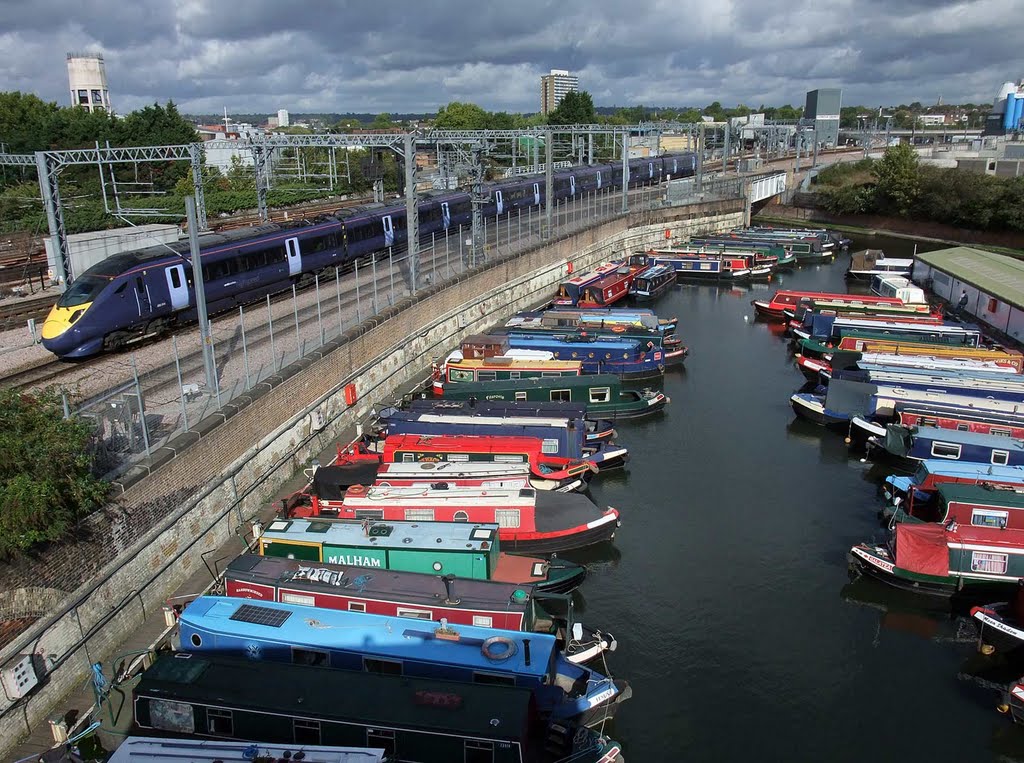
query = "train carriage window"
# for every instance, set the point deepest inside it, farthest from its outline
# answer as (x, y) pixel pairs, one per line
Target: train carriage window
(175, 278)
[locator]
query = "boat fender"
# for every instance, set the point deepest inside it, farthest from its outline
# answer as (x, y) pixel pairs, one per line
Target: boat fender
(498, 648)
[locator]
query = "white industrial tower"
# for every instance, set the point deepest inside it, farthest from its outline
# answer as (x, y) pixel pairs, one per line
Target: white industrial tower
(87, 79)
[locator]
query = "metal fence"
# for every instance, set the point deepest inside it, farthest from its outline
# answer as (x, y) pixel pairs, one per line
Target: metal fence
(167, 393)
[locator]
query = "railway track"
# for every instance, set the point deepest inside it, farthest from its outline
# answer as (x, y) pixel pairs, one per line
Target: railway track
(14, 313)
(40, 375)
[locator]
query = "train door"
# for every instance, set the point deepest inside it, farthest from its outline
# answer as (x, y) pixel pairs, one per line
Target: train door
(177, 286)
(291, 247)
(536, 194)
(446, 215)
(142, 297)
(599, 180)
(499, 199)
(572, 185)
(389, 230)
(650, 170)
(675, 166)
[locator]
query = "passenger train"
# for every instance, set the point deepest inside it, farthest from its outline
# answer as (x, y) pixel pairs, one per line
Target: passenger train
(135, 295)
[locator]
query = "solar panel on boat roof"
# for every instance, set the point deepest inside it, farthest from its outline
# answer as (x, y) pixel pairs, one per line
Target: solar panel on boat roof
(272, 618)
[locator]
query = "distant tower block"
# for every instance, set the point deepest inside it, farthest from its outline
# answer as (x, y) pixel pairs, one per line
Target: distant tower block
(87, 79)
(282, 118)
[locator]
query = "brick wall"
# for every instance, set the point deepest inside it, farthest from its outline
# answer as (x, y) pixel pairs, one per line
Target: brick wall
(138, 551)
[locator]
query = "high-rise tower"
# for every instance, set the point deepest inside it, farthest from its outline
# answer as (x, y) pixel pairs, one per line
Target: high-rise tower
(553, 88)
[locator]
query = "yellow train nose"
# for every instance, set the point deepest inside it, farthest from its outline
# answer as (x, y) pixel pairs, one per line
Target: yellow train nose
(60, 319)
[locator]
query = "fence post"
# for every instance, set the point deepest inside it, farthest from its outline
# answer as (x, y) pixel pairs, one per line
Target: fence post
(213, 360)
(270, 323)
(319, 314)
(295, 312)
(64, 402)
(391, 270)
(245, 349)
(142, 405)
(337, 291)
(373, 267)
(181, 385)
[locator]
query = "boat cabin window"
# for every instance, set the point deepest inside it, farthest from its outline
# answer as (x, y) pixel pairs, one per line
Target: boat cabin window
(298, 598)
(989, 518)
(963, 427)
(305, 731)
(369, 514)
(507, 517)
(460, 516)
(1000, 457)
(384, 667)
(987, 561)
(509, 458)
(315, 657)
(382, 739)
(520, 396)
(356, 606)
(220, 722)
(515, 374)
(999, 433)
(929, 422)
(560, 395)
(550, 373)
(408, 458)
(482, 621)
(486, 375)
(549, 446)
(459, 375)
(459, 458)
(494, 679)
(945, 450)
(419, 515)
(479, 751)
(418, 614)
(600, 395)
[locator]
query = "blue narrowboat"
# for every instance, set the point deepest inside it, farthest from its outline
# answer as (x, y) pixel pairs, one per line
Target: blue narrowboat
(629, 358)
(920, 443)
(652, 283)
(833, 327)
(570, 317)
(356, 641)
(901, 488)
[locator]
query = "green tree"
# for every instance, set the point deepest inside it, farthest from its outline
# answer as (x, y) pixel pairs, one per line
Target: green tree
(461, 116)
(897, 183)
(576, 108)
(45, 471)
(382, 122)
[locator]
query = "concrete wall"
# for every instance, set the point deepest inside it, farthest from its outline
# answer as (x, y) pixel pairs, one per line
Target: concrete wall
(205, 497)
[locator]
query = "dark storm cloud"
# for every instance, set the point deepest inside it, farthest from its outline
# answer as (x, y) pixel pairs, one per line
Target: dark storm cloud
(354, 55)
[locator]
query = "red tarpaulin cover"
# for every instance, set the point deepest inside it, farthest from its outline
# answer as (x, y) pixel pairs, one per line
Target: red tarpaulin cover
(922, 549)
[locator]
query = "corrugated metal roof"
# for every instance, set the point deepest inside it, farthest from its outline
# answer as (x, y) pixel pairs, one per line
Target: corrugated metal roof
(995, 274)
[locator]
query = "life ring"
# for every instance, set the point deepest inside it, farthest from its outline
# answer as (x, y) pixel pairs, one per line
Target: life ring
(619, 329)
(356, 490)
(488, 651)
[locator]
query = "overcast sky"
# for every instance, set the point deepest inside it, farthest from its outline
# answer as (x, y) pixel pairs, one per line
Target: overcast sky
(358, 56)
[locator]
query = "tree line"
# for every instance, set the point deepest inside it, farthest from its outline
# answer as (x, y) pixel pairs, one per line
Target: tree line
(899, 185)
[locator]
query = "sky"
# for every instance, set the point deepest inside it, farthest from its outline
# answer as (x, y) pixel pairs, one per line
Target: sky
(258, 56)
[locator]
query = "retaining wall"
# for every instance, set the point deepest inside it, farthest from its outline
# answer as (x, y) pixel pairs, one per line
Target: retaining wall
(179, 518)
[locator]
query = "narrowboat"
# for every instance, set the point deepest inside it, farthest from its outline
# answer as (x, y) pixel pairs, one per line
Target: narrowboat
(898, 488)
(597, 429)
(358, 642)
(702, 267)
(564, 317)
(785, 300)
(458, 548)
(921, 414)
(926, 328)
(672, 348)
(868, 263)
(529, 522)
(607, 290)
(602, 394)
(561, 437)
(920, 443)
(629, 358)
(468, 449)
(456, 370)
(570, 292)
(144, 749)
(897, 287)
(978, 505)
(940, 561)
(814, 358)
(808, 250)
(882, 346)
(460, 601)
(408, 718)
(1001, 624)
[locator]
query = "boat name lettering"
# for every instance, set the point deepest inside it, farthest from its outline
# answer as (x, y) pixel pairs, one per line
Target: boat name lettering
(355, 560)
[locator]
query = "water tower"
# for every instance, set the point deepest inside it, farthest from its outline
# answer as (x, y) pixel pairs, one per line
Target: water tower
(87, 79)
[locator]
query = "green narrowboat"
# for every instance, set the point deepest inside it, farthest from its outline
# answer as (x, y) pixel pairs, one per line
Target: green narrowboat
(411, 719)
(601, 393)
(460, 548)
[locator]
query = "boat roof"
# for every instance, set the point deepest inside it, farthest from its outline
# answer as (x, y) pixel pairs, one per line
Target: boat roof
(476, 443)
(910, 373)
(469, 593)
(368, 698)
(142, 749)
(561, 409)
(898, 325)
(544, 382)
(516, 363)
(290, 625)
(442, 469)
(475, 536)
(577, 340)
(495, 420)
(967, 468)
(453, 495)
(982, 495)
(927, 408)
(969, 438)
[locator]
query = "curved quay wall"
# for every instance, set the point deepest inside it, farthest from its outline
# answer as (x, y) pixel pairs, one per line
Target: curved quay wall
(165, 526)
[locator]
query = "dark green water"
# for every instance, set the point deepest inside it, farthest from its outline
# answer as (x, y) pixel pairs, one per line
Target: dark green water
(728, 588)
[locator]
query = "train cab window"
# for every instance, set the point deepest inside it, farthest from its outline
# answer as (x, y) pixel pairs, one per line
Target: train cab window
(120, 289)
(83, 289)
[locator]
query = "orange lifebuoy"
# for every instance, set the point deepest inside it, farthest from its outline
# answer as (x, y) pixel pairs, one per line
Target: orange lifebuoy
(618, 329)
(356, 489)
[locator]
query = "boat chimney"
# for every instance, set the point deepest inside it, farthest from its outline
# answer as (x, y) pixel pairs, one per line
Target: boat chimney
(449, 581)
(526, 650)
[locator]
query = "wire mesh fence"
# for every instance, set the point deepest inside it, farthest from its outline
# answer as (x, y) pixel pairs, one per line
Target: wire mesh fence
(171, 394)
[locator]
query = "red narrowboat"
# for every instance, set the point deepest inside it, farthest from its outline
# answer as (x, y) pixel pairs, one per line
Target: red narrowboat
(783, 301)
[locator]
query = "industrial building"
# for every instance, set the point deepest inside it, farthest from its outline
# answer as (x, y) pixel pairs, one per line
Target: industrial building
(1007, 110)
(553, 88)
(87, 79)
(994, 284)
(822, 108)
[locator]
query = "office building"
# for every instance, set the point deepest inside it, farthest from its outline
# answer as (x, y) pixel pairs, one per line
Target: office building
(553, 88)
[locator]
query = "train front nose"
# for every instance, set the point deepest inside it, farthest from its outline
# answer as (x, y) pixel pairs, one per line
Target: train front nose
(59, 333)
